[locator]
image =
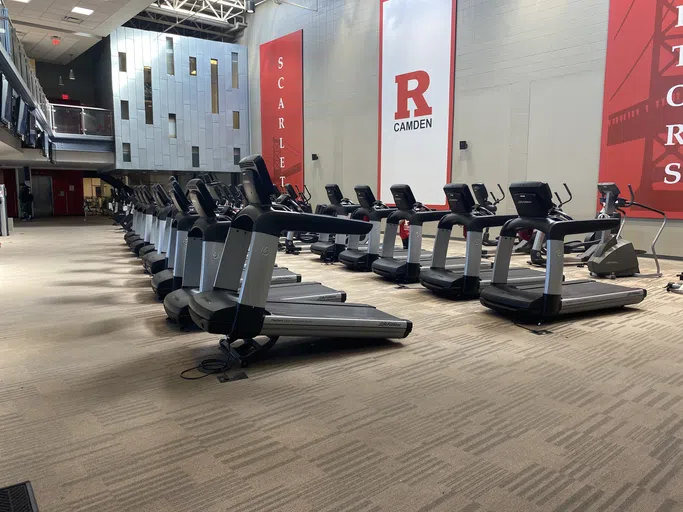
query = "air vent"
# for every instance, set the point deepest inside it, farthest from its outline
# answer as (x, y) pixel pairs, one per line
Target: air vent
(71, 19)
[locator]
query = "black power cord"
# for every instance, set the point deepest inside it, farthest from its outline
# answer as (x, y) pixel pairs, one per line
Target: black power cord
(208, 367)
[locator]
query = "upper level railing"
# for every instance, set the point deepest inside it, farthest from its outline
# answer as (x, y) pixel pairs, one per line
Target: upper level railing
(75, 120)
(11, 44)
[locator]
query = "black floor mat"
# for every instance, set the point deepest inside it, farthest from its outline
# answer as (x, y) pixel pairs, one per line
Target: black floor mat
(18, 498)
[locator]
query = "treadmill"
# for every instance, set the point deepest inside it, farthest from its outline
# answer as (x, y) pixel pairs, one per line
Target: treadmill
(170, 279)
(466, 283)
(146, 217)
(159, 260)
(327, 247)
(161, 212)
(357, 257)
(408, 271)
(547, 301)
(245, 311)
(205, 242)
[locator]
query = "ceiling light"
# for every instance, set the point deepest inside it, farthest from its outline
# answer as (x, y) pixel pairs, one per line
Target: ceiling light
(23, 1)
(83, 34)
(250, 6)
(82, 10)
(61, 82)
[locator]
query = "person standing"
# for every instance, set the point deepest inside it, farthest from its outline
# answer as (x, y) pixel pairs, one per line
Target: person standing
(26, 202)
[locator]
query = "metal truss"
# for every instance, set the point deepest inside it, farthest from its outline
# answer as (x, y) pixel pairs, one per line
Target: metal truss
(162, 20)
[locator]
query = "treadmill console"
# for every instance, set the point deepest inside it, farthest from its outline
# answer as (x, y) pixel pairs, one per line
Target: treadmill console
(460, 198)
(608, 188)
(179, 199)
(532, 198)
(201, 198)
(334, 194)
(403, 197)
(366, 198)
(257, 186)
(290, 191)
(481, 193)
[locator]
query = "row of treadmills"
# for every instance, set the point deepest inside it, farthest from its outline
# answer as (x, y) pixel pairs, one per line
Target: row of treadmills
(212, 255)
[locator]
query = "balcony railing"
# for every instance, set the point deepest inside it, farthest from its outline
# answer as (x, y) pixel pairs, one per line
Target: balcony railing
(74, 120)
(14, 48)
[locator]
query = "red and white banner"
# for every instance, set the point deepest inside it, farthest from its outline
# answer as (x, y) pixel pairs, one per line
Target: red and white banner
(417, 67)
(642, 127)
(282, 113)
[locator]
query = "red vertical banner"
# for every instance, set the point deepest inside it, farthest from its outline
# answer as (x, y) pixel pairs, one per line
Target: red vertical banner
(642, 125)
(282, 113)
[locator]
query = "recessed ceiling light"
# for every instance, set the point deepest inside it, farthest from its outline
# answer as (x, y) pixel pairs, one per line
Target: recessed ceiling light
(83, 34)
(82, 10)
(23, 1)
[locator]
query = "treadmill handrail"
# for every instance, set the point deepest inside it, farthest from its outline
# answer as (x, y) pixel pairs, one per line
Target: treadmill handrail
(558, 229)
(275, 222)
(417, 218)
(474, 223)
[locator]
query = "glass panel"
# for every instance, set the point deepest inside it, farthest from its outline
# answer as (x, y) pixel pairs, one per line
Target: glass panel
(170, 66)
(125, 114)
(195, 156)
(235, 120)
(193, 66)
(97, 122)
(67, 119)
(126, 152)
(123, 67)
(235, 71)
(171, 126)
(149, 117)
(214, 86)
(237, 155)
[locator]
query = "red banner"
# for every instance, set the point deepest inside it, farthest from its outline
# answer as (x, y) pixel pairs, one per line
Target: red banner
(282, 114)
(642, 128)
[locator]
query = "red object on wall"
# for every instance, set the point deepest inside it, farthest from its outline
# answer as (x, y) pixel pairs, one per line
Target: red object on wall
(282, 114)
(67, 191)
(10, 180)
(641, 70)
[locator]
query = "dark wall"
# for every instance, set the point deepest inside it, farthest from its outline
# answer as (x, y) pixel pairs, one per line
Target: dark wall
(89, 87)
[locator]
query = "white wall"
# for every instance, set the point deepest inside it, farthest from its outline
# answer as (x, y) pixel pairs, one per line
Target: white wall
(528, 95)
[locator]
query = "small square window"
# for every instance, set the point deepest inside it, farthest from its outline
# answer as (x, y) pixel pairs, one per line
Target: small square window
(172, 133)
(237, 155)
(193, 66)
(126, 152)
(195, 156)
(125, 114)
(123, 67)
(235, 119)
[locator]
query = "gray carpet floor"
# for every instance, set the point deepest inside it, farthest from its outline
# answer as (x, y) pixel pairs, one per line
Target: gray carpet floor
(469, 413)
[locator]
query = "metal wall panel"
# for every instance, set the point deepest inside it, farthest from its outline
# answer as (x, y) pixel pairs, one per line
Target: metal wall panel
(186, 96)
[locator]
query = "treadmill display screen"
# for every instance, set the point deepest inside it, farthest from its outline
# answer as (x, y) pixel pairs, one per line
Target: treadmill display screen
(366, 198)
(403, 197)
(459, 197)
(334, 194)
(532, 198)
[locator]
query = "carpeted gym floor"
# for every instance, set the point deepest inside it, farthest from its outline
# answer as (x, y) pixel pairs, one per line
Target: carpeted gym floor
(469, 413)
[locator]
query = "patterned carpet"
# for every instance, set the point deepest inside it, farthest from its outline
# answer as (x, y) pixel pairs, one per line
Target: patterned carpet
(470, 413)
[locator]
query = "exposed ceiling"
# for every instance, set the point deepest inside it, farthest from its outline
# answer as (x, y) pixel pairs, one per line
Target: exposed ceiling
(37, 21)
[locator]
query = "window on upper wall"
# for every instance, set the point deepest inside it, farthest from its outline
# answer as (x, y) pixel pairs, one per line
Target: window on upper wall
(126, 151)
(170, 66)
(172, 133)
(214, 86)
(236, 155)
(193, 66)
(195, 156)
(123, 66)
(235, 119)
(149, 114)
(125, 113)
(235, 71)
